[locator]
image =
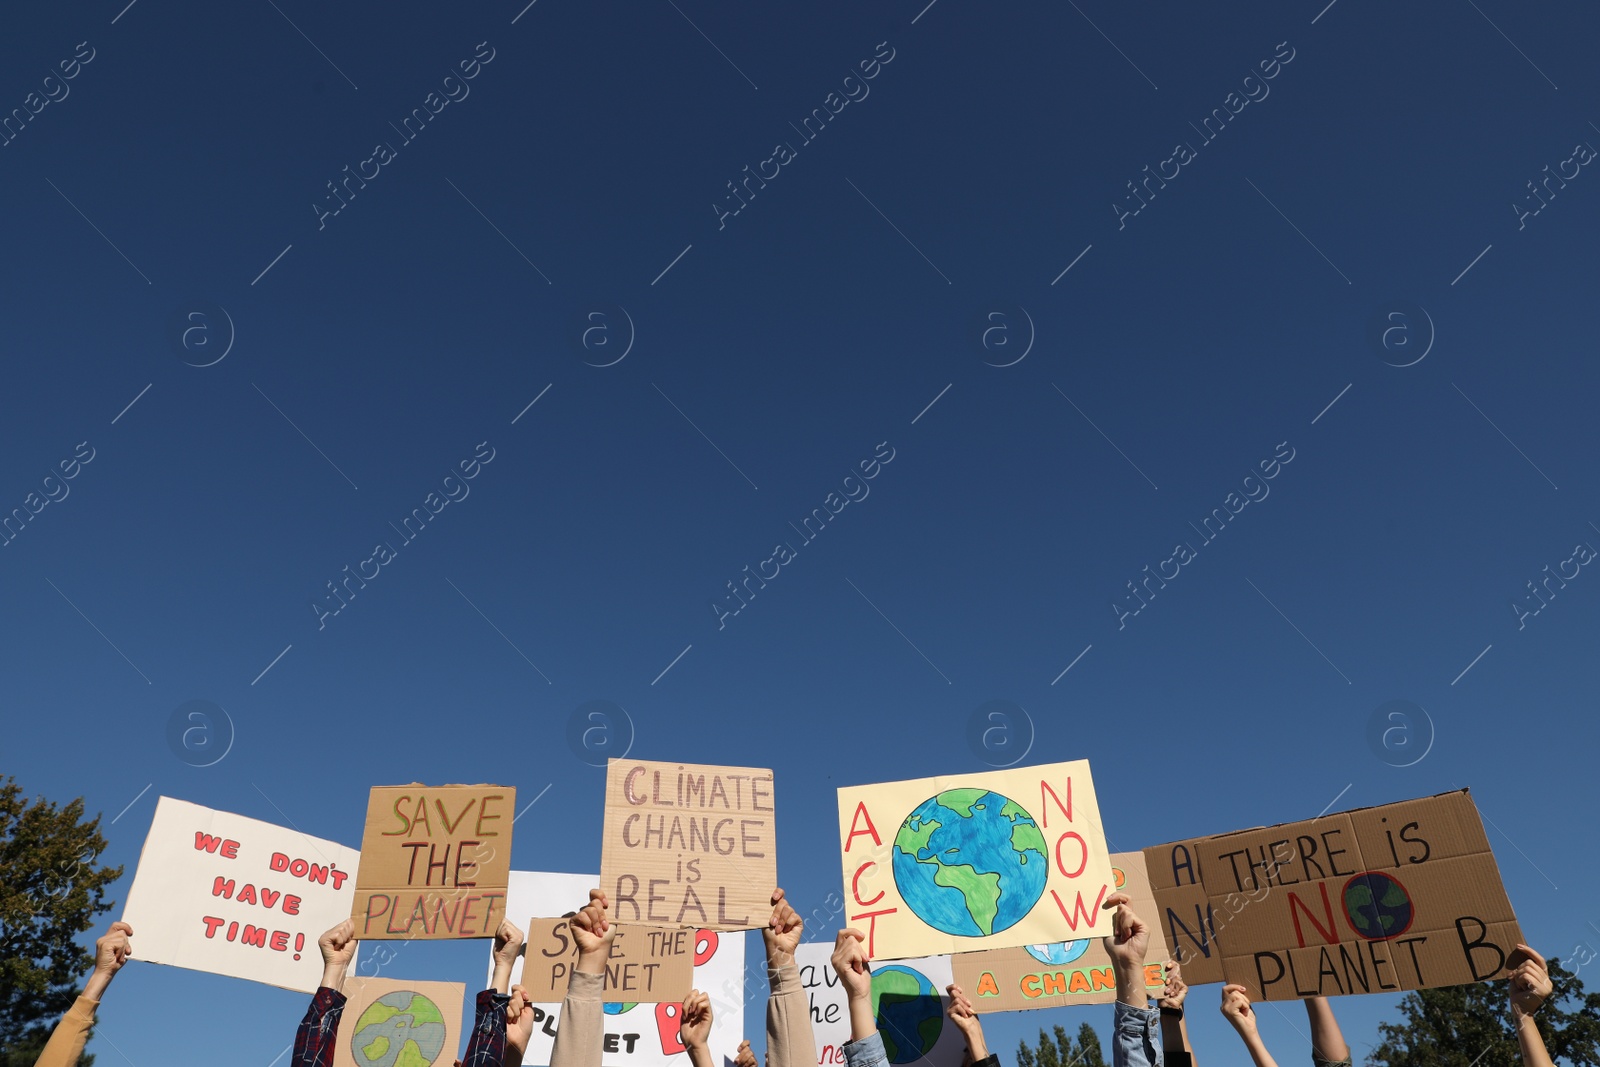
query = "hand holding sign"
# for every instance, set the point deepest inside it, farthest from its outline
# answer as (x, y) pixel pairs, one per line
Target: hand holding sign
(965, 1016)
(519, 1024)
(1126, 946)
(1175, 991)
(338, 947)
(1236, 1009)
(594, 932)
(110, 953)
(507, 947)
(1530, 982)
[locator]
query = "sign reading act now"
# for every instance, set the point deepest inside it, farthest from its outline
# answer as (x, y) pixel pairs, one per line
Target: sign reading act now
(434, 862)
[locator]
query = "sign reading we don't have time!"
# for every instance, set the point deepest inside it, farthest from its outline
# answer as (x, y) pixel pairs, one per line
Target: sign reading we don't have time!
(435, 862)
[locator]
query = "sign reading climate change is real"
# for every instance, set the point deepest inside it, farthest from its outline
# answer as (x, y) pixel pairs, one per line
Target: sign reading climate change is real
(1401, 896)
(995, 859)
(689, 845)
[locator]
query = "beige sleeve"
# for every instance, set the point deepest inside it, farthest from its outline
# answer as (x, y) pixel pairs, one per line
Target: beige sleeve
(582, 1027)
(789, 1039)
(67, 1041)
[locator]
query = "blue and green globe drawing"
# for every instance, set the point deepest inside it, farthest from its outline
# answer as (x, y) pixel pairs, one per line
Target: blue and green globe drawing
(1059, 954)
(908, 1010)
(1377, 905)
(399, 1029)
(970, 862)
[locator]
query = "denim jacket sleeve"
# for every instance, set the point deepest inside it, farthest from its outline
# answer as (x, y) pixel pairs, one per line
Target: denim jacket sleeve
(868, 1052)
(1136, 1037)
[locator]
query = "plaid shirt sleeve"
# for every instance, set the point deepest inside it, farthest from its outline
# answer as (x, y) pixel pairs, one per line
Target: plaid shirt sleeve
(319, 1030)
(487, 1047)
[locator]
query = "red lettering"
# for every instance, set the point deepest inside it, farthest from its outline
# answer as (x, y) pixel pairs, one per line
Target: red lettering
(366, 925)
(872, 924)
(280, 940)
(211, 924)
(269, 897)
(871, 831)
(204, 842)
(291, 905)
(1066, 809)
(298, 869)
(222, 887)
(1329, 933)
(1083, 859)
(338, 878)
(855, 886)
(247, 895)
(1090, 915)
(230, 850)
(279, 862)
(253, 935)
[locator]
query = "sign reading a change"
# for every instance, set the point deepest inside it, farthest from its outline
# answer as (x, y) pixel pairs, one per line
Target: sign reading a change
(995, 859)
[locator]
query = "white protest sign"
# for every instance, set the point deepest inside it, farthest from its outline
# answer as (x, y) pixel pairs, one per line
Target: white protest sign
(635, 1035)
(908, 1002)
(221, 893)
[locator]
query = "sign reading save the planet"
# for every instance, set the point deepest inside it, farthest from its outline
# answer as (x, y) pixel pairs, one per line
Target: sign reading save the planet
(994, 859)
(435, 862)
(1381, 899)
(390, 1023)
(1063, 972)
(908, 1005)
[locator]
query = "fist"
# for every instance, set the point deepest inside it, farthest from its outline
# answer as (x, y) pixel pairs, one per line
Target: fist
(519, 1024)
(507, 943)
(592, 927)
(782, 932)
(694, 1028)
(1236, 1009)
(850, 961)
(1530, 982)
(1130, 936)
(338, 945)
(961, 1011)
(745, 1057)
(113, 950)
(1174, 992)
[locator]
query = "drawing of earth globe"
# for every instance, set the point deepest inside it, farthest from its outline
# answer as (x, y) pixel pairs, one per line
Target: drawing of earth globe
(399, 1029)
(970, 862)
(909, 1013)
(1378, 906)
(1059, 954)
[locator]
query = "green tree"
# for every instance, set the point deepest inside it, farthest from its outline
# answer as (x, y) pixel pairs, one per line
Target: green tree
(1459, 1026)
(1063, 1051)
(51, 889)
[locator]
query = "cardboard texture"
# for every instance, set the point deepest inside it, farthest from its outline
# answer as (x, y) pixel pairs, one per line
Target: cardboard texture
(437, 860)
(639, 1034)
(389, 1022)
(689, 845)
(647, 963)
(221, 893)
(1067, 972)
(1396, 897)
(996, 859)
(908, 1002)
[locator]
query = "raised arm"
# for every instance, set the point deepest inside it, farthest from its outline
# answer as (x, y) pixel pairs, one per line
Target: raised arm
(72, 1031)
(865, 1048)
(487, 1045)
(789, 1038)
(1328, 1048)
(1174, 1030)
(1236, 1009)
(1530, 987)
(314, 1040)
(694, 1028)
(1136, 1037)
(582, 1028)
(965, 1016)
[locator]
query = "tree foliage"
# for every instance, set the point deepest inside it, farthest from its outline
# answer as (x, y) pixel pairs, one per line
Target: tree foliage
(1459, 1026)
(51, 889)
(1063, 1051)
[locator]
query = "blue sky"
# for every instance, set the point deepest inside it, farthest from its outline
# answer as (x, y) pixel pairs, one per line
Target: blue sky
(983, 171)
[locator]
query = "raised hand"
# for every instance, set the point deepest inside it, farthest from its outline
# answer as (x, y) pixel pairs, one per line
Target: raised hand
(965, 1016)
(744, 1057)
(850, 961)
(1236, 1009)
(1176, 989)
(694, 1028)
(519, 1025)
(1530, 982)
(782, 932)
(594, 932)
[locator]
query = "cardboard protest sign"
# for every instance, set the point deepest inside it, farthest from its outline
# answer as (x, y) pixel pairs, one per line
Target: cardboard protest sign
(399, 1023)
(437, 859)
(908, 1002)
(996, 859)
(1183, 913)
(647, 963)
(641, 1034)
(686, 844)
(1065, 972)
(221, 893)
(1401, 896)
